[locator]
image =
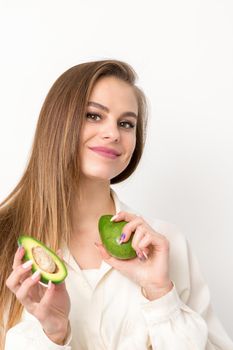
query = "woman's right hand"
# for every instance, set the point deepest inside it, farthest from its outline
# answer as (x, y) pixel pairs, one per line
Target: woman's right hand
(50, 305)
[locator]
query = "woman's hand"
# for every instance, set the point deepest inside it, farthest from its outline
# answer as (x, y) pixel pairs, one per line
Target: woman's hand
(50, 305)
(150, 270)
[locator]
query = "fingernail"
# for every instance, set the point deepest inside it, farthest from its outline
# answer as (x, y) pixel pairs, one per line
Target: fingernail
(114, 217)
(145, 255)
(27, 264)
(140, 255)
(20, 248)
(141, 258)
(35, 274)
(49, 284)
(122, 238)
(59, 253)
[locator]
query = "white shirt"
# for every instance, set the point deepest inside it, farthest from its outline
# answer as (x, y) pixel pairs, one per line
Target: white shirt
(109, 312)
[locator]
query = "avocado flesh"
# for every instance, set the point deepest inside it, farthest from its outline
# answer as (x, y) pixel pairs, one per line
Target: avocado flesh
(30, 245)
(110, 233)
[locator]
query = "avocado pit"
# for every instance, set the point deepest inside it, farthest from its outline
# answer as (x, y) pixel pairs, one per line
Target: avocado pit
(51, 266)
(43, 260)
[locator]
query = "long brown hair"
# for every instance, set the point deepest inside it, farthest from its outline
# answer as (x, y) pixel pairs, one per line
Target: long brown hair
(40, 203)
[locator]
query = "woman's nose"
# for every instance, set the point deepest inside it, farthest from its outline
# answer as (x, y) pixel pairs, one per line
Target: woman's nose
(111, 131)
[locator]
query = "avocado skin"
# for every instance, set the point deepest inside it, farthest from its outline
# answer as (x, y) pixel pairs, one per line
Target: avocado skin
(45, 277)
(110, 233)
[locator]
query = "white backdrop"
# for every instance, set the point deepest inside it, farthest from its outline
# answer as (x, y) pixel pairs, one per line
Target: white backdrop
(183, 54)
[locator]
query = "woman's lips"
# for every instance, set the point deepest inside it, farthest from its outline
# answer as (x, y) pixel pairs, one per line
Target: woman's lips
(104, 154)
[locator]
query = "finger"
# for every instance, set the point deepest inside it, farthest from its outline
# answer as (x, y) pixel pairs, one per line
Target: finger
(22, 293)
(144, 242)
(130, 228)
(160, 242)
(145, 253)
(133, 221)
(138, 235)
(48, 296)
(18, 257)
(18, 275)
(123, 215)
(59, 253)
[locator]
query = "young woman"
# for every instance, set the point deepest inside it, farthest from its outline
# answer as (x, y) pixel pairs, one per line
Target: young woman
(90, 134)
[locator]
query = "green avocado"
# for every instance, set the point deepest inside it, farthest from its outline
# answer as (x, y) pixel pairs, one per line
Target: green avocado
(44, 259)
(110, 233)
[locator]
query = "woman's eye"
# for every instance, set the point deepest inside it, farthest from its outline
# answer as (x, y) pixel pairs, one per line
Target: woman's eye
(122, 124)
(92, 116)
(127, 125)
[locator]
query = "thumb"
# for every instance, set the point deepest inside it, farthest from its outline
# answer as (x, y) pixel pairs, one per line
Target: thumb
(49, 294)
(60, 254)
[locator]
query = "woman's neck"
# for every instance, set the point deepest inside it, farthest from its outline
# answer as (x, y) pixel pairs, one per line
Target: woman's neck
(93, 201)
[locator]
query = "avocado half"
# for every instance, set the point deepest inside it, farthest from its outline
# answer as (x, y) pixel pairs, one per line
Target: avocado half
(110, 233)
(44, 259)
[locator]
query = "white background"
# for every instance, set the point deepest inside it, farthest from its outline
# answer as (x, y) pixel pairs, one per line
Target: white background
(183, 53)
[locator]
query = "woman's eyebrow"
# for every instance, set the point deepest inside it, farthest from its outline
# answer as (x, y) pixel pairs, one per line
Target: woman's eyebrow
(106, 109)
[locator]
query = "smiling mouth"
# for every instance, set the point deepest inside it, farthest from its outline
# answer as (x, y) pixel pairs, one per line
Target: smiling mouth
(105, 154)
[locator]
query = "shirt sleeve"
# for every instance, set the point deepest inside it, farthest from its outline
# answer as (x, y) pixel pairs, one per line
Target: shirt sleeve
(29, 334)
(190, 325)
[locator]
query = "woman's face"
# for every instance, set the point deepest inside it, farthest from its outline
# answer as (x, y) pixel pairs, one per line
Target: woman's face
(108, 137)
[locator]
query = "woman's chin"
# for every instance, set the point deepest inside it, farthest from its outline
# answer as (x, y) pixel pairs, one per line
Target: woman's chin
(100, 173)
(100, 177)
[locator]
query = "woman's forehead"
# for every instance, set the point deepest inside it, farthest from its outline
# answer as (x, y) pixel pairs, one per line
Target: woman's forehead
(112, 91)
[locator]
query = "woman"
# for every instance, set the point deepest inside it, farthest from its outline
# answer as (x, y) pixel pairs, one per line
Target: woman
(90, 134)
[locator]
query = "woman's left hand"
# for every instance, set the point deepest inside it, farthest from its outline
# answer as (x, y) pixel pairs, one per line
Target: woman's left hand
(150, 270)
